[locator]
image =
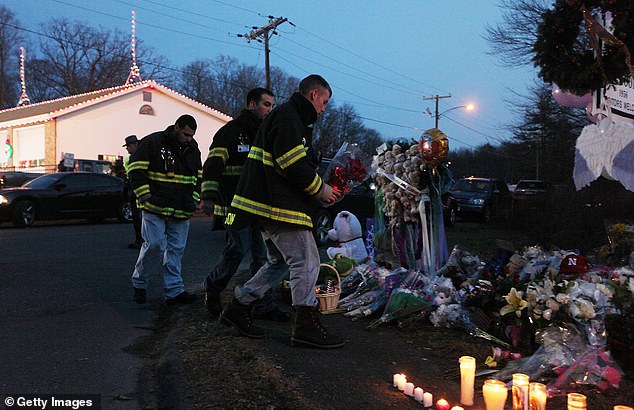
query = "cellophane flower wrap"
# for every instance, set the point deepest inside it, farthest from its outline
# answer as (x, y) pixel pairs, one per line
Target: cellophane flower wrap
(347, 169)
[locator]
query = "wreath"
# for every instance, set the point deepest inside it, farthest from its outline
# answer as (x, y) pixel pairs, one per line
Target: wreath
(565, 53)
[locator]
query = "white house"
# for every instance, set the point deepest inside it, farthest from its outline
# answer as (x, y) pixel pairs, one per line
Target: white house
(94, 125)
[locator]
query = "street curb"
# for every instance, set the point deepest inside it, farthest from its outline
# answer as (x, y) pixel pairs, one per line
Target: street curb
(172, 390)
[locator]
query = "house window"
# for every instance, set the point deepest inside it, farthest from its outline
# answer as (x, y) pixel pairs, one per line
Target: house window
(146, 109)
(147, 96)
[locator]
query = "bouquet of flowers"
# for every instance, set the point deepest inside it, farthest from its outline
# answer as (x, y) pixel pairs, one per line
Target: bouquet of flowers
(347, 169)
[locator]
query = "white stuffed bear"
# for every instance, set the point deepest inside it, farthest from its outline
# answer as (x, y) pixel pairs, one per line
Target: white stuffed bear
(347, 233)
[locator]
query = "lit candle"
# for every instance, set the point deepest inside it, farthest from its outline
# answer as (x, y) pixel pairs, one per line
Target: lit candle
(576, 401)
(495, 394)
(428, 399)
(538, 396)
(457, 408)
(442, 404)
(402, 381)
(395, 379)
(621, 407)
(520, 391)
(409, 389)
(418, 394)
(467, 378)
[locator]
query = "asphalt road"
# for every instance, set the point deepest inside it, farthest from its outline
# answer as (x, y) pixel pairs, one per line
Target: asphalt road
(67, 312)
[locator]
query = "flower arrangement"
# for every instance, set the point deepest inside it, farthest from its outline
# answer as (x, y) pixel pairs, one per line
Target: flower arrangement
(347, 169)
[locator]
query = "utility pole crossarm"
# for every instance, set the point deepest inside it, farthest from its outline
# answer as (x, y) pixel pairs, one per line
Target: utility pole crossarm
(436, 97)
(264, 32)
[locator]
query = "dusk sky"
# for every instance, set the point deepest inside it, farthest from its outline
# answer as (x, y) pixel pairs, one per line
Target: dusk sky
(382, 57)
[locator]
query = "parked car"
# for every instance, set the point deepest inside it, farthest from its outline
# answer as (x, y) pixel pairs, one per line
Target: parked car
(482, 197)
(360, 202)
(17, 178)
(530, 188)
(66, 195)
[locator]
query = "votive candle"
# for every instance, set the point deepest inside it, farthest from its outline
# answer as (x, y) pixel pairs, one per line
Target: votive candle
(538, 396)
(457, 408)
(409, 389)
(395, 379)
(402, 381)
(495, 394)
(428, 399)
(621, 407)
(576, 401)
(418, 394)
(442, 404)
(520, 391)
(467, 379)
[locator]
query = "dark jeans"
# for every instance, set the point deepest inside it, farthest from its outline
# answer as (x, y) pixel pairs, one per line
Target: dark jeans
(238, 243)
(136, 220)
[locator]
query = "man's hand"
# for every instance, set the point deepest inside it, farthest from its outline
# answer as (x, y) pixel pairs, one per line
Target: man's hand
(207, 207)
(328, 194)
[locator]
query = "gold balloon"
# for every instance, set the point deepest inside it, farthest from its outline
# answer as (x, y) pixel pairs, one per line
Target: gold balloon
(433, 146)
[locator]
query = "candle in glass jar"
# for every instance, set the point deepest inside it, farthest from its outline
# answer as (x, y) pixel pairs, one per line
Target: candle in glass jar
(520, 391)
(418, 394)
(576, 401)
(442, 404)
(428, 399)
(538, 396)
(467, 379)
(409, 389)
(495, 394)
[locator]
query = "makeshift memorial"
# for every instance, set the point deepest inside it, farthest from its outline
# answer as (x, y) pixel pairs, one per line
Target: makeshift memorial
(347, 169)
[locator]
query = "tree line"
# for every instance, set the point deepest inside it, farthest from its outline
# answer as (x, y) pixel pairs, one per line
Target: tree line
(67, 58)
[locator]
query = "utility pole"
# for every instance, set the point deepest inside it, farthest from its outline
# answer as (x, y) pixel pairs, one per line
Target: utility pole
(264, 32)
(436, 97)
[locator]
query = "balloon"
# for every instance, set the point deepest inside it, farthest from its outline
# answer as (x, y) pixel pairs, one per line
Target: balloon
(568, 99)
(433, 146)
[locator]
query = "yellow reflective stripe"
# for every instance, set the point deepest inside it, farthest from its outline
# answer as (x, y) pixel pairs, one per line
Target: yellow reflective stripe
(219, 152)
(210, 186)
(259, 155)
(221, 210)
(199, 174)
(196, 196)
(233, 170)
(177, 178)
(138, 165)
(142, 190)
(166, 211)
(277, 214)
(314, 186)
(291, 157)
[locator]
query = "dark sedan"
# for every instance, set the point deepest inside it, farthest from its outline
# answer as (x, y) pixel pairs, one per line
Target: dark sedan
(66, 195)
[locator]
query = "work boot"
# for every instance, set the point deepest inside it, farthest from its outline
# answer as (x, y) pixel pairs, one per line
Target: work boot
(308, 330)
(139, 295)
(274, 314)
(238, 315)
(212, 301)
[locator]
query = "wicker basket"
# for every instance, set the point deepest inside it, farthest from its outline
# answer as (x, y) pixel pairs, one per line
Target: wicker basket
(329, 301)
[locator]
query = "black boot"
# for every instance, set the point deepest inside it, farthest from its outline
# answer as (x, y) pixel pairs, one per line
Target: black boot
(238, 315)
(309, 331)
(212, 301)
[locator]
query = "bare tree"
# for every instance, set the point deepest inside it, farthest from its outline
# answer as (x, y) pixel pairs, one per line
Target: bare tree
(10, 39)
(513, 39)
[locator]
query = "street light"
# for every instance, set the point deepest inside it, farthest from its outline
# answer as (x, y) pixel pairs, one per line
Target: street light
(468, 107)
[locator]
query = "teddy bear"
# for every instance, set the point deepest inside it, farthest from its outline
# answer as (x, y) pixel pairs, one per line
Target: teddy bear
(347, 233)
